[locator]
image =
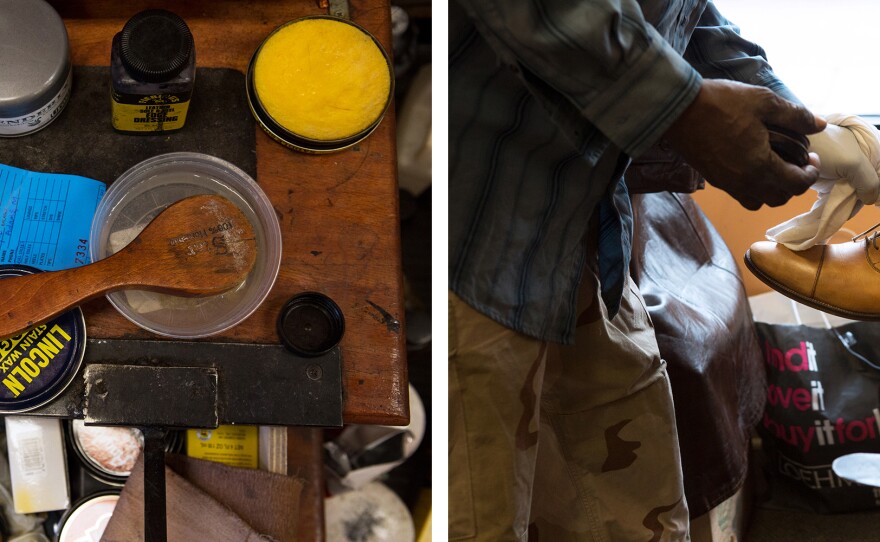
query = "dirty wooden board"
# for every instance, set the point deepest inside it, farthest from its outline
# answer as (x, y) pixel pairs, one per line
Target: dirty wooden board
(338, 212)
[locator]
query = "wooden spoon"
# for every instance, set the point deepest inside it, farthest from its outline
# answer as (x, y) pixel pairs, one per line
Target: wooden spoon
(199, 246)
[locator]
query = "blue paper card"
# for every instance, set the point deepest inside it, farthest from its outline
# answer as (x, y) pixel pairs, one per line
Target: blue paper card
(45, 218)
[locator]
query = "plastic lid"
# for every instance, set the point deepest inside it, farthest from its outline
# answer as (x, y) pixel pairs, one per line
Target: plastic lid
(155, 45)
(310, 324)
(39, 363)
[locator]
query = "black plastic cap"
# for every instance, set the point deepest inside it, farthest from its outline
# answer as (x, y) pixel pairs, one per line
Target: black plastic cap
(310, 324)
(155, 45)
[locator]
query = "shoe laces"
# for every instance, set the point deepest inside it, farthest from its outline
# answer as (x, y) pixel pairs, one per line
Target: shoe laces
(868, 236)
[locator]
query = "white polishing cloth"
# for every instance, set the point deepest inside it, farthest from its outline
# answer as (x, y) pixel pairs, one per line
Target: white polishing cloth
(837, 201)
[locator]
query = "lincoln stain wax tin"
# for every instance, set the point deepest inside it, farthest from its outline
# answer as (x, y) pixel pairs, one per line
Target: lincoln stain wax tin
(38, 364)
(35, 67)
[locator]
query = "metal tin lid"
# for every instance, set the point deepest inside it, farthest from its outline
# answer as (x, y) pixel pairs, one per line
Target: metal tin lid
(109, 452)
(87, 519)
(38, 364)
(296, 141)
(34, 56)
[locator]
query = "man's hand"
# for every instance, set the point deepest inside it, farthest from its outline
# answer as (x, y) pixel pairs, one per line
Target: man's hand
(843, 158)
(723, 135)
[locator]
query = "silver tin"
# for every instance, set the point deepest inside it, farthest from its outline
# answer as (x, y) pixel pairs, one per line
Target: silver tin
(35, 66)
(102, 450)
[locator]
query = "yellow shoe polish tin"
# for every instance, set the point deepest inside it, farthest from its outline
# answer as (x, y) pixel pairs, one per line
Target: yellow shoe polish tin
(319, 84)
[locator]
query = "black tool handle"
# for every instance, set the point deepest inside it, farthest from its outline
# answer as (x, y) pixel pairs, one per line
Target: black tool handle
(155, 524)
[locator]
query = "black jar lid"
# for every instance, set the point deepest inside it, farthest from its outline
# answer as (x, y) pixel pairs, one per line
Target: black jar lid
(155, 45)
(310, 324)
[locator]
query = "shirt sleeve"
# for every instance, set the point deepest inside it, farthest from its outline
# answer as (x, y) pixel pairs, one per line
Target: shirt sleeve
(600, 56)
(718, 51)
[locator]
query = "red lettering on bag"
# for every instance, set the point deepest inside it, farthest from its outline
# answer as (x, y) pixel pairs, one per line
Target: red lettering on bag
(800, 351)
(773, 356)
(800, 398)
(799, 358)
(794, 435)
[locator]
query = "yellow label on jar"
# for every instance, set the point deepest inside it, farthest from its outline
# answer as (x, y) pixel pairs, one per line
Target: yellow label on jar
(156, 113)
(233, 445)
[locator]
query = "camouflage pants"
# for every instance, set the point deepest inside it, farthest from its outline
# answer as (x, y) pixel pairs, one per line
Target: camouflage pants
(557, 443)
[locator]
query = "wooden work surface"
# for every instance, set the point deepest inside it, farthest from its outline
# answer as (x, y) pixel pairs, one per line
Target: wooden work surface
(338, 215)
(338, 212)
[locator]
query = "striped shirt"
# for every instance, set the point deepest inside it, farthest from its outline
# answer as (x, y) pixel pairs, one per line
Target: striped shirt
(548, 100)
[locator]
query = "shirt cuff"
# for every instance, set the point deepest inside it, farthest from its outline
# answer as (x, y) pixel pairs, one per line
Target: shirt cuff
(640, 106)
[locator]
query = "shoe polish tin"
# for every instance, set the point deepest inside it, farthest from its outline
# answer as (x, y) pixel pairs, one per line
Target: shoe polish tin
(35, 66)
(319, 84)
(87, 519)
(107, 453)
(39, 363)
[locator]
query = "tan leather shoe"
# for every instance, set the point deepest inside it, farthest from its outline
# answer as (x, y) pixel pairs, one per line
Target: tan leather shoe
(841, 279)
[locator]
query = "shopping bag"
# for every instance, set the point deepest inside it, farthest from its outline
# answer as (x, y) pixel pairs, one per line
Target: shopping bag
(822, 403)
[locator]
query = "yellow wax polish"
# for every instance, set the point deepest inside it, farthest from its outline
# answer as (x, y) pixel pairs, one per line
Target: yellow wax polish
(322, 79)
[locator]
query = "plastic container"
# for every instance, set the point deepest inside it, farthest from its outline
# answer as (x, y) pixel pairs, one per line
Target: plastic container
(414, 135)
(300, 82)
(37, 467)
(35, 67)
(143, 191)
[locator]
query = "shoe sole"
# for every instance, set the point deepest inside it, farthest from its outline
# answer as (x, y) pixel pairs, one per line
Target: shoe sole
(810, 302)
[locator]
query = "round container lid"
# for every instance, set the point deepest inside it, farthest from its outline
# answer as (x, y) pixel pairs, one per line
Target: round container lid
(310, 324)
(38, 364)
(373, 511)
(34, 56)
(113, 451)
(88, 518)
(155, 45)
(325, 106)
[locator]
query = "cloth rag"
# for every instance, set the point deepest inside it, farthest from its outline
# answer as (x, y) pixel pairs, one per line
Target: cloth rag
(837, 199)
(210, 501)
